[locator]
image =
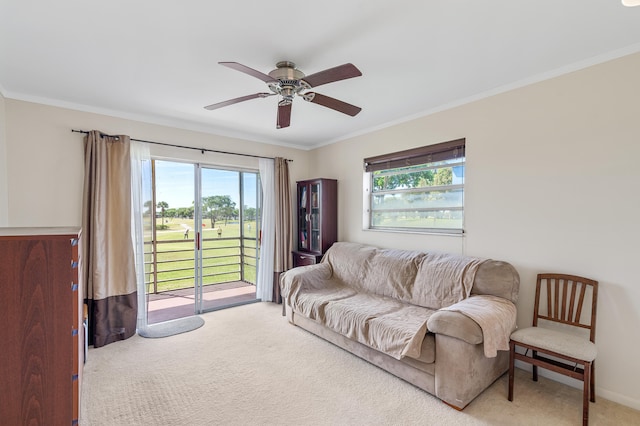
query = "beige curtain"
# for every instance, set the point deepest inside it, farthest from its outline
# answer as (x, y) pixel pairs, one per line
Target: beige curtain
(282, 258)
(108, 253)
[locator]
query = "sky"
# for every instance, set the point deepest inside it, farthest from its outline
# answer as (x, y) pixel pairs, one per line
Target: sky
(175, 184)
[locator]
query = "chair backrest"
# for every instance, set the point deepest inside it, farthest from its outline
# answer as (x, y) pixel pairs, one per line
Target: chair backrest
(564, 299)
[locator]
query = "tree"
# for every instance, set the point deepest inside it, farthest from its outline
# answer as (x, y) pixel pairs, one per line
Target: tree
(185, 212)
(403, 180)
(162, 205)
(171, 213)
(443, 176)
(218, 207)
(249, 213)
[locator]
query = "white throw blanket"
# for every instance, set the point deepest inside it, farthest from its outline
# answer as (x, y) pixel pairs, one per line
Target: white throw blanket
(495, 316)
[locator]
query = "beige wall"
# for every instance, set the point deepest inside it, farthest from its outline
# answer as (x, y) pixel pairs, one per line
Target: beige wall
(45, 167)
(552, 184)
(4, 203)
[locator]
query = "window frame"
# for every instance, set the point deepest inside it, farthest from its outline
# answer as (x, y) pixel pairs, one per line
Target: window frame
(427, 156)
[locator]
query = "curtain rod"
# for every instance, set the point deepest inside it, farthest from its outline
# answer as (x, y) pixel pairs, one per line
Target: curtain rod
(202, 150)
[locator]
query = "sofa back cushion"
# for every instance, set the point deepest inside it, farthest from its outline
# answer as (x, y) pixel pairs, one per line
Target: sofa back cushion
(392, 273)
(497, 278)
(431, 280)
(348, 262)
(444, 279)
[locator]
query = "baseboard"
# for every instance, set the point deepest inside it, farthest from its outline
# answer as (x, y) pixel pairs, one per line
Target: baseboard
(600, 392)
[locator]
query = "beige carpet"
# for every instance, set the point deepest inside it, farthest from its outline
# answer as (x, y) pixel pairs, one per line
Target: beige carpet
(249, 366)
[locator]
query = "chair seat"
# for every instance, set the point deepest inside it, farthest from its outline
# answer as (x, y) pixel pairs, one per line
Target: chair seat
(556, 341)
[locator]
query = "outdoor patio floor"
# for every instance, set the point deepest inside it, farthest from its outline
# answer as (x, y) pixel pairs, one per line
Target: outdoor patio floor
(174, 304)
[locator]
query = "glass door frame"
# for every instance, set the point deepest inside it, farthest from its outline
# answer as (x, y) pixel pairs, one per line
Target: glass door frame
(197, 247)
(199, 300)
(198, 223)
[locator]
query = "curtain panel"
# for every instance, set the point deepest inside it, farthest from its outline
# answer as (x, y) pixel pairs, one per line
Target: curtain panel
(109, 273)
(283, 243)
(142, 217)
(264, 285)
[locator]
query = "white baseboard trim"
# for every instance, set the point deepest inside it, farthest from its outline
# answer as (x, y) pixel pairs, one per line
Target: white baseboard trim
(600, 392)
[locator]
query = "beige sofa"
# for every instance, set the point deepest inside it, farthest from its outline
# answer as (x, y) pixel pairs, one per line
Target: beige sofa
(439, 321)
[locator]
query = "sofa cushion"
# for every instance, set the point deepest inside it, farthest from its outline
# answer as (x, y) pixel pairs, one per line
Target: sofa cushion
(385, 324)
(392, 273)
(400, 333)
(350, 316)
(444, 279)
(427, 355)
(348, 262)
(312, 302)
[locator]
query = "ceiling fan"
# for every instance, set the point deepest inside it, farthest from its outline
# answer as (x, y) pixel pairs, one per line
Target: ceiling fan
(287, 81)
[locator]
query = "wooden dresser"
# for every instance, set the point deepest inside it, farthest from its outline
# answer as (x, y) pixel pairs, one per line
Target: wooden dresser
(41, 333)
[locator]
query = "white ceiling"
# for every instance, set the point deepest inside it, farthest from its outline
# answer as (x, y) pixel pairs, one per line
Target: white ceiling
(157, 60)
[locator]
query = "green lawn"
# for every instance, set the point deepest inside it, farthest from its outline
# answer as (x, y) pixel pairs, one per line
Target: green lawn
(221, 254)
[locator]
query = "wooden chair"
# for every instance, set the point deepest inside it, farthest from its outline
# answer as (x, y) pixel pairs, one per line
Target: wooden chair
(553, 346)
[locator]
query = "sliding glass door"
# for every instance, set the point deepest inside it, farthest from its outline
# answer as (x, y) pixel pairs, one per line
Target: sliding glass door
(227, 250)
(205, 253)
(170, 292)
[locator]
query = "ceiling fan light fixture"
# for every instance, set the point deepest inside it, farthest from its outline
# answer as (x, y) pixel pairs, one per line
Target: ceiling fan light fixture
(286, 71)
(631, 3)
(287, 81)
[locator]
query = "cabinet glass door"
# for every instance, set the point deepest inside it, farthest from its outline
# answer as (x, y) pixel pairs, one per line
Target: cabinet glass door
(314, 217)
(303, 229)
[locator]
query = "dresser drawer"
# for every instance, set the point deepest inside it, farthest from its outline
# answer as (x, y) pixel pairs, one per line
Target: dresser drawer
(304, 259)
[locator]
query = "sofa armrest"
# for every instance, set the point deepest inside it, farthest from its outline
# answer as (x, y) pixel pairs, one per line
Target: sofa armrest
(455, 324)
(496, 317)
(304, 277)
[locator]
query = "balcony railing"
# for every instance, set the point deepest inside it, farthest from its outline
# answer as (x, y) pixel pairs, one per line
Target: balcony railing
(170, 264)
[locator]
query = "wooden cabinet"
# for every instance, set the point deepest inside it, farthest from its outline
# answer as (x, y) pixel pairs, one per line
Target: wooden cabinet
(40, 326)
(317, 215)
(303, 259)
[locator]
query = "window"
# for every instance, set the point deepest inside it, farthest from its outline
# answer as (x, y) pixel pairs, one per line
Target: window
(420, 189)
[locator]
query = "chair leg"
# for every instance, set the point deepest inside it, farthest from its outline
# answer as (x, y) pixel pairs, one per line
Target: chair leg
(512, 356)
(593, 381)
(535, 367)
(585, 394)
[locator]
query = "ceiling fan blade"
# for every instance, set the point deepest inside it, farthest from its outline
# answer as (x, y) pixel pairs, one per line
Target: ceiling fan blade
(236, 100)
(245, 69)
(341, 72)
(284, 115)
(332, 103)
